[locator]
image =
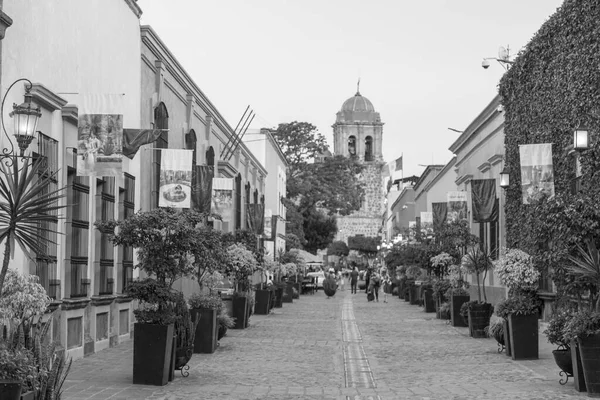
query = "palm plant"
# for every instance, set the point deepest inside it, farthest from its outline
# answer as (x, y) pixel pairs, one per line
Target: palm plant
(478, 262)
(26, 203)
(587, 266)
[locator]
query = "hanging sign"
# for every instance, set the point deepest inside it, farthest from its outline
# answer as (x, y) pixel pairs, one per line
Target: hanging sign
(175, 178)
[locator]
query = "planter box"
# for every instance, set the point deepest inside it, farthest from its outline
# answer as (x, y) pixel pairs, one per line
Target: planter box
(413, 294)
(523, 336)
(589, 349)
(288, 293)
(28, 396)
(278, 297)
(263, 302)
(455, 303)
(578, 377)
(152, 353)
(10, 390)
(479, 318)
(272, 297)
(298, 287)
(206, 330)
(240, 312)
(506, 332)
(428, 301)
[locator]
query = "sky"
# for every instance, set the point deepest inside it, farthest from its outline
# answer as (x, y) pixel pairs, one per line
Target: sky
(419, 62)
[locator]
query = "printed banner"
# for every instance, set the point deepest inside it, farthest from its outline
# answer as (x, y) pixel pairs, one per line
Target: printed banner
(426, 224)
(440, 211)
(202, 188)
(100, 135)
(537, 174)
(222, 198)
(483, 198)
(175, 178)
(251, 217)
(268, 227)
(457, 206)
(133, 139)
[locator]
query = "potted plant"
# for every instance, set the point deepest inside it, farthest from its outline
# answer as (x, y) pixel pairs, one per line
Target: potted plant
(165, 240)
(240, 266)
(225, 322)
(516, 271)
(413, 273)
(457, 293)
(439, 289)
(584, 325)
(205, 308)
(262, 294)
(555, 333)
(185, 332)
(16, 367)
(444, 310)
(496, 330)
(478, 262)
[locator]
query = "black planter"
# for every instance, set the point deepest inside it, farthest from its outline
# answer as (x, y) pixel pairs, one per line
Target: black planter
(240, 312)
(288, 293)
(28, 395)
(413, 294)
(563, 360)
(428, 301)
(578, 377)
(152, 353)
(523, 330)
(10, 390)
(455, 303)
(279, 297)
(506, 334)
(205, 340)
(589, 348)
(479, 318)
(272, 297)
(263, 302)
(182, 356)
(298, 287)
(221, 332)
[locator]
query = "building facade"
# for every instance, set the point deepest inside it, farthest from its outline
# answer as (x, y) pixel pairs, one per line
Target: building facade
(358, 132)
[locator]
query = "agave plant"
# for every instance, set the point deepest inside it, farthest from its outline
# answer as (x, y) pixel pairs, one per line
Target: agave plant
(25, 203)
(587, 266)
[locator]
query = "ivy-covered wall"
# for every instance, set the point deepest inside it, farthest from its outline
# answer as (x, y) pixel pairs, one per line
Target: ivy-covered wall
(553, 87)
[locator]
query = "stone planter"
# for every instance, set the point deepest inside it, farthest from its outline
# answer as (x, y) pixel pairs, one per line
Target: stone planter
(152, 353)
(205, 340)
(523, 331)
(578, 377)
(589, 349)
(240, 312)
(263, 302)
(455, 303)
(479, 318)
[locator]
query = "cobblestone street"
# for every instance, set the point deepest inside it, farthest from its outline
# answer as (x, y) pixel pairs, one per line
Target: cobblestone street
(338, 348)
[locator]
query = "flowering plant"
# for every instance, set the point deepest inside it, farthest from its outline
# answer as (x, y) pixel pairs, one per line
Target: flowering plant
(456, 277)
(441, 262)
(212, 301)
(516, 270)
(241, 264)
(287, 269)
(269, 264)
(23, 298)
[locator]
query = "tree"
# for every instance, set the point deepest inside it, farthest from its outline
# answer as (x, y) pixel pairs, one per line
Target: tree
(27, 204)
(292, 242)
(365, 246)
(339, 249)
(319, 229)
(300, 143)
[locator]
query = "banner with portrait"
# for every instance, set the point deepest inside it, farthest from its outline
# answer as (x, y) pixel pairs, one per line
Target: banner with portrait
(100, 135)
(222, 198)
(537, 174)
(457, 209)
(175, 178)
(426, 224)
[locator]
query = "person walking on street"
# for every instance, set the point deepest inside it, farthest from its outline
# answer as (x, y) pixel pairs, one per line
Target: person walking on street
(374, 284)
(387, 286)
(353, 280)
(367, 279)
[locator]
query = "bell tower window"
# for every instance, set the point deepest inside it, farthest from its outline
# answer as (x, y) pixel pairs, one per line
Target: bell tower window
(352, 146)
(368, 148)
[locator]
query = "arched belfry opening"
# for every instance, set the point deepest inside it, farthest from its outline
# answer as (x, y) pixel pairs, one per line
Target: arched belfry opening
(369, 148)
(352, 146)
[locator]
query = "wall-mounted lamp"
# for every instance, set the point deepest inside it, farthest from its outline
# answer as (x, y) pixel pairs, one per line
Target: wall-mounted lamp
(581, 139)
(25, 117)
(504, 178)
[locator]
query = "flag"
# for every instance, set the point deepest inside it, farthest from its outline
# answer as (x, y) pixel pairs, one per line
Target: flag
(398, 164)
(175, 178)
(100, 135)
(133, 139)
(537, 174)
(222, 198)
(202, 187)
(483, 198)
(457, 206)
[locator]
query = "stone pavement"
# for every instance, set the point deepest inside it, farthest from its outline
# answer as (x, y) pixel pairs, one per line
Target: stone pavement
(338, 348)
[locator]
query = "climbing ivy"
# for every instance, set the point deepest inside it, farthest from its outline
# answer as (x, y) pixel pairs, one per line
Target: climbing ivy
(552, 88)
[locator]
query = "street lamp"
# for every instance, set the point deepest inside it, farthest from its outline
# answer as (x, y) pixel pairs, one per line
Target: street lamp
(504, 178)
(25, 117)
(580, 139)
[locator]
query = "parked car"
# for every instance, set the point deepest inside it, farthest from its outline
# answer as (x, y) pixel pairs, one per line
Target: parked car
(320, 278)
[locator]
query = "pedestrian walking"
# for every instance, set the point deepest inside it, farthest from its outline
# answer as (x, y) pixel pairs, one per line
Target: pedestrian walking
(367, 279)
(387, 287)
(374, 284)
(353, 280)
(340, 279)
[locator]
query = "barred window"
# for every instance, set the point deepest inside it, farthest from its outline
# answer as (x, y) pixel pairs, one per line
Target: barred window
(78, 195)
(127, 209)
(107, 250)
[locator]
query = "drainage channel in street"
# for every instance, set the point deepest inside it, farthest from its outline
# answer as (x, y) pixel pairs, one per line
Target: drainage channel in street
(358, 372)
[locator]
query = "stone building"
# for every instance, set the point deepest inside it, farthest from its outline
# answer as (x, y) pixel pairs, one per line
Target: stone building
(358, 132)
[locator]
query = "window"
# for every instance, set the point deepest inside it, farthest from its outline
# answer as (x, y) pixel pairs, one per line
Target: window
(210, 156)
(161, 121)
(107, 250)
(369, 148)
(352, 145)
(127, 210)
(46, 261)
(78, 195)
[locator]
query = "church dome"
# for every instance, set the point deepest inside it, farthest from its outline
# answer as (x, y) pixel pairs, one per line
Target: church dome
(358, 103)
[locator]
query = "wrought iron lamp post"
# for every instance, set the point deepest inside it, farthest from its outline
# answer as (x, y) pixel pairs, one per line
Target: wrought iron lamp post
(25, 117)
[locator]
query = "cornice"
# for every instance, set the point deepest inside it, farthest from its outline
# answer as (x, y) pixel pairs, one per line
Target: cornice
(484, 167)
(5, 22)
(70, 113)
(495, 159)
(488, 113)
(47, 98)
(133, 6)
(462, 179)
(480, 144)
(443, 172)
(225, 168)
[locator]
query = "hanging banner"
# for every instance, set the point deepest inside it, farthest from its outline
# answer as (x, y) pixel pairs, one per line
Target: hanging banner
(426, 224)
(222, 198)
(440, 211)
(133, 139)
(268, 227)
(259, 215)
(537, 174)
(457, 206)
(100, 135)
(175, 178)
(202, 180)
(251, 217)
(483, 198)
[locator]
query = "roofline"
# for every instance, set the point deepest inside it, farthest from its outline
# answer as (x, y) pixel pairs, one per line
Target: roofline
(483, 117)
(405, 189)
(428, 170)
(439, 176)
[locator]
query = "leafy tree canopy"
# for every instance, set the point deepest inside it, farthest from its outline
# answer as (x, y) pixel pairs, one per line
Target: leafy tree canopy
(300, 143)
(364, 245)
(338, 248)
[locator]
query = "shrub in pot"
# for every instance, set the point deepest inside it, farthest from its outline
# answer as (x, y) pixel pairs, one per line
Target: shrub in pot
(17, 366)
(225, 322)
(205, 309)
(496, 330)
(478, 262)
(555, 333)
(240, 266)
